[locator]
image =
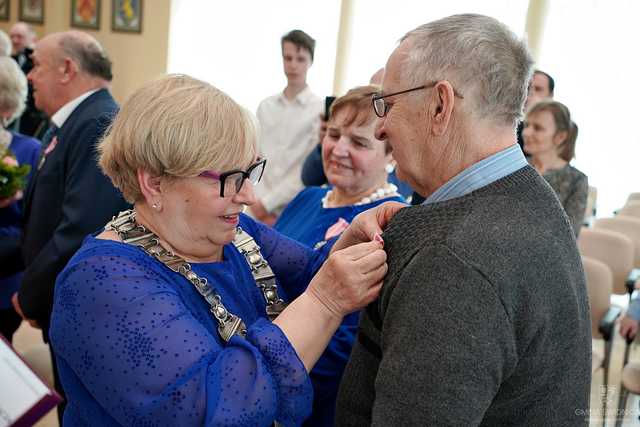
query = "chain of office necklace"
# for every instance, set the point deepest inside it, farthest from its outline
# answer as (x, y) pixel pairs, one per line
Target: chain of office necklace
(229, 324)
(388, 190)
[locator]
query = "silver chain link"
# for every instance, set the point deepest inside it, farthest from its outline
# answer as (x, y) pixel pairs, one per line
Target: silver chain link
(125, 225)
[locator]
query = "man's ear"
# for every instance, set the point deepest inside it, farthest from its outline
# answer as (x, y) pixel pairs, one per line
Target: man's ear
(69, 69)
(150, 186)
(443, 98)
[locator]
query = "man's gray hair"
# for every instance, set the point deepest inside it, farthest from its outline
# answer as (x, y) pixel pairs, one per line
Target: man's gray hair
(5, 44)
(88, 54)
(13, 88)
(479, 56)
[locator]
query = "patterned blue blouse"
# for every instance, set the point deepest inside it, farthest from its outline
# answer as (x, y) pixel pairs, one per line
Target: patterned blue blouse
(306, 221)
(27, 152)
(137, 345)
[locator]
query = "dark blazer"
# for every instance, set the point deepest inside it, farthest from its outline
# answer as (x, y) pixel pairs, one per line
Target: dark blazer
(67, 199)
(32, 122)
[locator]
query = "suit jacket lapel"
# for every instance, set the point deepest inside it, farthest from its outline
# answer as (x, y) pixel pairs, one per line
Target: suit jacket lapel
(32, 183)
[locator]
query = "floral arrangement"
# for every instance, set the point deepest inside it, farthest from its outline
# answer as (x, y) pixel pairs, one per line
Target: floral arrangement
(12, 175)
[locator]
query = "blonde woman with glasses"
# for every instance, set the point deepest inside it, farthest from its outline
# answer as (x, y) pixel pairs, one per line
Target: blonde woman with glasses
(184, 311)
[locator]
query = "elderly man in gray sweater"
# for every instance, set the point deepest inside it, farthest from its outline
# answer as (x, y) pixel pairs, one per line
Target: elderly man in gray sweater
(483, 318)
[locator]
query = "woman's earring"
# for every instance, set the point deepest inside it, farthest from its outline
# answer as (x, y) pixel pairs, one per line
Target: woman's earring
(156, 206)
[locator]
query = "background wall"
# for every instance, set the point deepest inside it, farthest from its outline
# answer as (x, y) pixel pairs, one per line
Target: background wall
(137, 58)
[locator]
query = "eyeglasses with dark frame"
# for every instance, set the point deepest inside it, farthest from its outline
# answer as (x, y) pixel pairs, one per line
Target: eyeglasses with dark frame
(381, 108)
(231, 181)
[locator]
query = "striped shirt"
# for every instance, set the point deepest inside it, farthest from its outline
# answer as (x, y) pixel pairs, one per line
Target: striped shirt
(480, 174)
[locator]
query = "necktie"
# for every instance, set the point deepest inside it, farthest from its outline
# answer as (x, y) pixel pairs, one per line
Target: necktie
(48, 135)
(46, 140)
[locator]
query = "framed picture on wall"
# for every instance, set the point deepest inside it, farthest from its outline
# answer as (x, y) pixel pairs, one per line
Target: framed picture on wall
(5, 10)
(126, 16)
(85, 14)
(31, 11)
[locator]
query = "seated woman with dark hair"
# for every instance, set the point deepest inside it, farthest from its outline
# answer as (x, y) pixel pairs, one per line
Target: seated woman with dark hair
(550, 139)
(355, 164)
(184, 311)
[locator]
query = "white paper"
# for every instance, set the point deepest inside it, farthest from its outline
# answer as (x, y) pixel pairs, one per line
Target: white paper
(20, 388)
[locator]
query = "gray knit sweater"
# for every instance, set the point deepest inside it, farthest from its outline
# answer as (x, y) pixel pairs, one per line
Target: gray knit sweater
(483, 318)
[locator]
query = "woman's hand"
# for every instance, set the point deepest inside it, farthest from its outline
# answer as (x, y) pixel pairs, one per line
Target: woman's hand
(368, 225)
(350, 278)
(9, 161)
(628, 327)
(6, 201)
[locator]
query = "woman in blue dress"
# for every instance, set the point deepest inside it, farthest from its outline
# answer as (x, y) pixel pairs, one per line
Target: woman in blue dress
(172, 314)
(25, 151)
(355, 164)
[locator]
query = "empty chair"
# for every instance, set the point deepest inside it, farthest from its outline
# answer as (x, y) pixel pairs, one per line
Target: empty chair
(630, 209)
(630, 384)
(615, 250)
(629, 226)
(633, 197)
(603, 317)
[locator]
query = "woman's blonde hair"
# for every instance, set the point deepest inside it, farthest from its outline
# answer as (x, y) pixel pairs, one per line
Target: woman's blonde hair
(13, 88)
(176, 126)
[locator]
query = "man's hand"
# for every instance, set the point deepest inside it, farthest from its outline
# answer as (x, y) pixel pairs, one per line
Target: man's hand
(628, 327)
(368, 225)
(18, 309)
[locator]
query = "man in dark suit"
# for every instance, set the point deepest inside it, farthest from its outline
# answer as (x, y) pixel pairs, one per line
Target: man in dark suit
(32, 122)
(68, 197)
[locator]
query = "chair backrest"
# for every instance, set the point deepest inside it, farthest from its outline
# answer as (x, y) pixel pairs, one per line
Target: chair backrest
(633, 197)
(612, 248)
(627, 225)
(630, 209)
(599, 288)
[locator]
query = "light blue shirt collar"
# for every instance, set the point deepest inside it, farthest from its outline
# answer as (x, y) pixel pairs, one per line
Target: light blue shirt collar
(480, 174)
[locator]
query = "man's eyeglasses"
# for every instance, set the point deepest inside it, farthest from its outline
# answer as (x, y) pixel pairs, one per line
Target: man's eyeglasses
(231, 181)
(381, 108)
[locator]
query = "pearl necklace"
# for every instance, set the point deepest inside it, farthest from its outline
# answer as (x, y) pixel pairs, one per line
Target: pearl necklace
(388, 190)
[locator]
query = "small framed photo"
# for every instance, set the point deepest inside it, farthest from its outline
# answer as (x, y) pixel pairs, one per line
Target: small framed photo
(85, 14)
(126, 16)
(31, 11)
(5, 10)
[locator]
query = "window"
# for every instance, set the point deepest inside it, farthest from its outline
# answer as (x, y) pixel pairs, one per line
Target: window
(590, 50)
(236, 45)
(379, 24)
